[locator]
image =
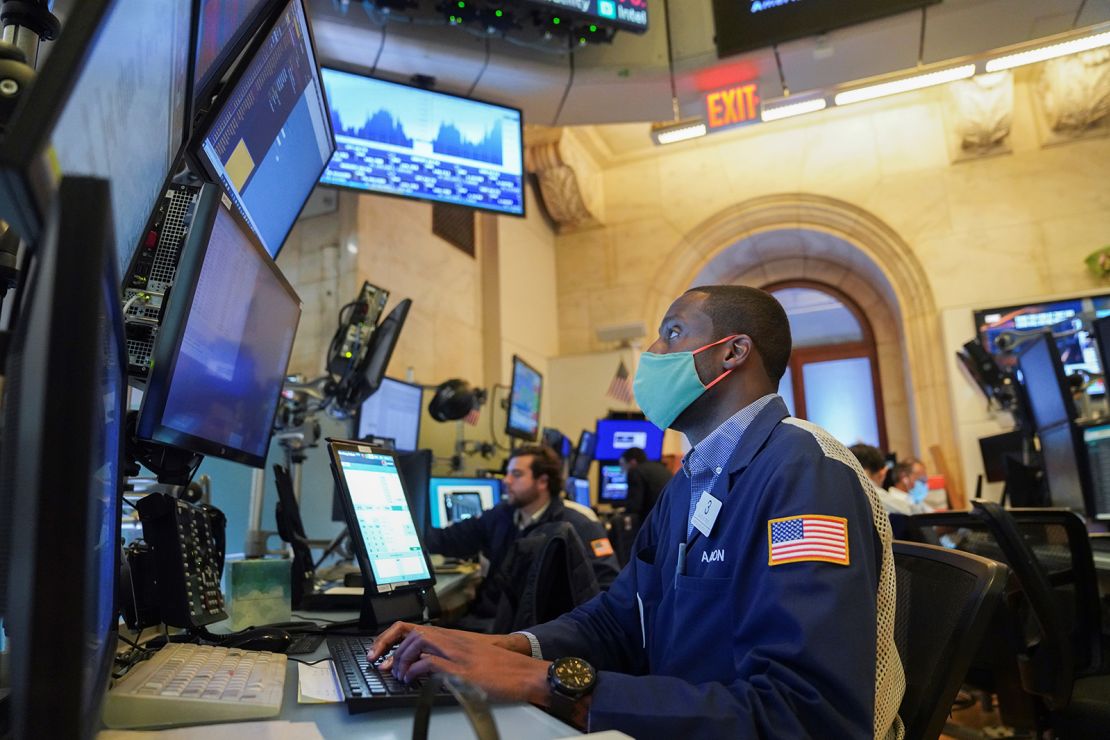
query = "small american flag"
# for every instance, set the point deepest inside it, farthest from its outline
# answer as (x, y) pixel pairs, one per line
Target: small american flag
(795, 539)
(473, 416)
(620, 387)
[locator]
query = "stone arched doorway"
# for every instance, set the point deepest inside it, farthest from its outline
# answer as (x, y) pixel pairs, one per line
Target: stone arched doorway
(799, 236)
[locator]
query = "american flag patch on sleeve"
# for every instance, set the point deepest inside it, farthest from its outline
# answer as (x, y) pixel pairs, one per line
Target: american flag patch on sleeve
(796, 539)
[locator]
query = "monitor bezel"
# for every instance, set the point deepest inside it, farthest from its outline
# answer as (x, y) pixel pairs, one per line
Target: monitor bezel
(509, 428)
(194, 151)
(355, 70)
(362, 555)
(174, 321)
(419, 410)
(1070, 411)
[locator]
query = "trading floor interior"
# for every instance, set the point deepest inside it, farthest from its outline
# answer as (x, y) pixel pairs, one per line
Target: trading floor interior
(322, 315)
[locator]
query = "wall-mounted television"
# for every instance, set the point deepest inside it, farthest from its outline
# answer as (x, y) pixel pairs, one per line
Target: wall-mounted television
(399, 140)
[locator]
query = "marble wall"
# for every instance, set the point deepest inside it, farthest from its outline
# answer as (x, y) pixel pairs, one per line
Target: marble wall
(947, 237)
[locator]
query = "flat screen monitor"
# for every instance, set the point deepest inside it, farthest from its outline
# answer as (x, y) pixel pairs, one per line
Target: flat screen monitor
(444, 493)
(270, 137)
(383, 531)
(1097, 441)
(743, 25)
(579, 490)
(995, 449)
(998, 328)
(1100, 327)
(1061, 447)
(393, 412)
(557, 441)
(1042, 374)
(612, 484)
(630, 15)
(61, 471)
(399, 140)
(614, 436)
(524, 402)
(224, 27)
(583, 454)
(224, 345)
(114, 109)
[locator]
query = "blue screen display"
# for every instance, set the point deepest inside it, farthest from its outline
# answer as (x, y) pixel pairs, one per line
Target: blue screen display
(614, 436)
(401, 140)
(614, 484)
(270, 141)
(579, 488)
(524, 401)
(235, 347)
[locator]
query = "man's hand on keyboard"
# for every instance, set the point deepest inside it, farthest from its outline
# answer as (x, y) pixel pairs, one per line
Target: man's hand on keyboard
(500, 664)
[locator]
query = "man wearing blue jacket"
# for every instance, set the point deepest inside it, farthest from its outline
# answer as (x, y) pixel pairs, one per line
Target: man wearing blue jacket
(759, 601)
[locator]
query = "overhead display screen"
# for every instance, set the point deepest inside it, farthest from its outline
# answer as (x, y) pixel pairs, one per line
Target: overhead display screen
(405, 141)
(743, 25)
(628, 14)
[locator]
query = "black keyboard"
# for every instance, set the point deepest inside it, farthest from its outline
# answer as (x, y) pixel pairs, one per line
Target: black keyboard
(365, 688)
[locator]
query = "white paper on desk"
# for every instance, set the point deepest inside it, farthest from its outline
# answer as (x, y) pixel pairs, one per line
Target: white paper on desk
(316, 684)
(268, 730)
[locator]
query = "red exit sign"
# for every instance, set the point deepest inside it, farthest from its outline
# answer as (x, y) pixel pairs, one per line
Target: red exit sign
(734, 106)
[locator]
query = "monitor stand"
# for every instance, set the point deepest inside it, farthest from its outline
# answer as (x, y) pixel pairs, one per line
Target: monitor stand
(380, 611)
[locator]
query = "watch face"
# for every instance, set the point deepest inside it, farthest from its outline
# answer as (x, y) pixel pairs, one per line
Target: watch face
(574, 673)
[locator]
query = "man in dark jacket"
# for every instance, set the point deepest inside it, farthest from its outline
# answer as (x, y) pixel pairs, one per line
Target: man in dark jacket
(646, 480)
(533, 480)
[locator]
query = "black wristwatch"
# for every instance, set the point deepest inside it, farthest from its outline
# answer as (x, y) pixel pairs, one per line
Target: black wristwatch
(571, 678)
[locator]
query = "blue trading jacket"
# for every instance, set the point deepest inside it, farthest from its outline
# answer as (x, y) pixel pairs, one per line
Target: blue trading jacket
(735, 646)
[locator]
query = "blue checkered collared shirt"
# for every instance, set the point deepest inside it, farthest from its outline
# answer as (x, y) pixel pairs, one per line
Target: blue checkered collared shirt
(708, 458)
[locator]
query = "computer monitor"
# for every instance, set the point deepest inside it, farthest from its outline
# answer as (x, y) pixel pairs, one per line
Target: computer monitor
(224, 27)
(612, 483)
(614, 436)
(109, 101)
(557, 441)
(579, 490)
(1097, 441)
(1064, 470)
(583, 454)
(224, 345)
(383, 531)
(61, 471)
(270, 136)
(1043, 376)
(416, 143)
(393, 411)
(524, 401)
(416, 471)
(1100, 328)
(995, 449)
(445, 492)
(368, 376)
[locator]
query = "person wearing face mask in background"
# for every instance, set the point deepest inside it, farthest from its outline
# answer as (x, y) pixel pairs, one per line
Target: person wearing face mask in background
(911, 485)
(759, 601)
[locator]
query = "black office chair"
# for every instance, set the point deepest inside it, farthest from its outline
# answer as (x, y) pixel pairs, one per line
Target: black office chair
(945, 600)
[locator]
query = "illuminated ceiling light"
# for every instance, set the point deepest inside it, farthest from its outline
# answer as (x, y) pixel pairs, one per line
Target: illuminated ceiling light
(906, 84)
(672, 133)
(1052, 51)
(777, 112)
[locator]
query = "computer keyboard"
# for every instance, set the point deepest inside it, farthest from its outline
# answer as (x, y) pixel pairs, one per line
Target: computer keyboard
(365, 687)
(197, 684)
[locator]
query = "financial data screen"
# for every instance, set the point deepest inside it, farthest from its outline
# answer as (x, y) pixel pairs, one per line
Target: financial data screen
(270, 141)
(406, 141)
(125, 118)
(614, 484)
(392, 411)
(384, 520)
(614, 436)
(235, 346)
(524, 401)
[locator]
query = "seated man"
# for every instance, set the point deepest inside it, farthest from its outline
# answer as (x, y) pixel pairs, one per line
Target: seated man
(533, 482)
(873, 463)
(911, 485)
(760, 598)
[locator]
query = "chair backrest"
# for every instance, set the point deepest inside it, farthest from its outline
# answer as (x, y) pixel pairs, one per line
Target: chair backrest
(945, 601)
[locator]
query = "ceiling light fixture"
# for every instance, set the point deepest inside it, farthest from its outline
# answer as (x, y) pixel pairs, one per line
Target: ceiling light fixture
(1052, 51)
(776, 112)
(672, 133)
(906, 84)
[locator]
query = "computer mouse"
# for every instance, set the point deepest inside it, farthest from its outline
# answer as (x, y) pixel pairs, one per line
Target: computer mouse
(261, 638)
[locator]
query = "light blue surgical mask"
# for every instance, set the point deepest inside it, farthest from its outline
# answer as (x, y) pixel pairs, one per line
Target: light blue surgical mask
(919, 491)
(666, 385)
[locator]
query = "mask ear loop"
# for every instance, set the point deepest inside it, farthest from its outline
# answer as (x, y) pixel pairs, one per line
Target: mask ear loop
(725, 374)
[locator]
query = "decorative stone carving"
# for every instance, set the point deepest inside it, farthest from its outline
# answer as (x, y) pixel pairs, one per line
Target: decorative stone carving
(570, 182)
(1074, 96)
(981, 112)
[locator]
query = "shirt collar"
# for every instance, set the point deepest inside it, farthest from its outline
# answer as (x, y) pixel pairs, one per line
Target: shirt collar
(523, 521)
(713, 452)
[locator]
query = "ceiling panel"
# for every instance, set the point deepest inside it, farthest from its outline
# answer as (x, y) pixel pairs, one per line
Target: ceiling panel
(958, 28)
(1095, 11)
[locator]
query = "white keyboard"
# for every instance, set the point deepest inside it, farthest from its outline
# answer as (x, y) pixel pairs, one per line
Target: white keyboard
(197, 684)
